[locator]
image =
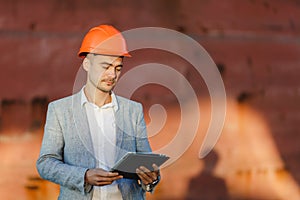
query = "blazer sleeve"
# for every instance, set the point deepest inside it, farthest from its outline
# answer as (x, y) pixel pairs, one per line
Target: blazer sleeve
(50, 164)
(142, 141)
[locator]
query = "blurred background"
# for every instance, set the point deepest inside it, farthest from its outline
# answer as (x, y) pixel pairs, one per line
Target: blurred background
(254, 43)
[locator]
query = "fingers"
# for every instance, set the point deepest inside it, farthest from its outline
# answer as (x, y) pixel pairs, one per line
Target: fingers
(100, 181)
(156, 169)
(100, 177)
(146, 175)
(104, 173)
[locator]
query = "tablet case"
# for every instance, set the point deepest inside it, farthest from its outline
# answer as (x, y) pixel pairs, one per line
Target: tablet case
(127, 165)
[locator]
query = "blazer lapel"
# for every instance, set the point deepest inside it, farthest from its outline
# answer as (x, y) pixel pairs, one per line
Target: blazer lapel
(119, 115)
(81, 123)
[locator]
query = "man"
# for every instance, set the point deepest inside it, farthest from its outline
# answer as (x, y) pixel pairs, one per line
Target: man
(88, 132)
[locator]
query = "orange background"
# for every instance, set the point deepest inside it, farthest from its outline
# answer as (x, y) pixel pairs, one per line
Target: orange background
(255, 44)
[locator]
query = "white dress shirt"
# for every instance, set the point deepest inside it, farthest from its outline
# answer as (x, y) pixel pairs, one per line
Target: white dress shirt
(103, 133)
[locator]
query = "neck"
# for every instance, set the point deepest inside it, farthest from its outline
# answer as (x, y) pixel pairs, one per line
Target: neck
(96, 96)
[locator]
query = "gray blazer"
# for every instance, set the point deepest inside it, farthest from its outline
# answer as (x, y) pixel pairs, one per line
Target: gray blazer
(67, 153)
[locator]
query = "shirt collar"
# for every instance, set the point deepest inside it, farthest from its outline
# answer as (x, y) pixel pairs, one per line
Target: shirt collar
(113, 104)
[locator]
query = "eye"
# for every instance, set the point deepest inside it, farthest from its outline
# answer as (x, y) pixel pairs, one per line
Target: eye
(118, 68)
(105, 67)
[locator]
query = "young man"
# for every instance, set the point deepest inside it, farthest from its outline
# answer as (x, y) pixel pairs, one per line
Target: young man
(88, 132)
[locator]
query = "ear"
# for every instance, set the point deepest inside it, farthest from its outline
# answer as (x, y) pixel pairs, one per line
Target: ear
(86, 64)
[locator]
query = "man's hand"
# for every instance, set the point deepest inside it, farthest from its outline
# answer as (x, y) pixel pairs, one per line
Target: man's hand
(100, 177)
(146, 175)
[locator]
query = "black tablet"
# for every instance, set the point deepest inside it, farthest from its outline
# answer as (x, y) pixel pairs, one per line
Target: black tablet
(127, 165)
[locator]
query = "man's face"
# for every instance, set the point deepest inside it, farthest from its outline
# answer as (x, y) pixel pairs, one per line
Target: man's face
(103, 71)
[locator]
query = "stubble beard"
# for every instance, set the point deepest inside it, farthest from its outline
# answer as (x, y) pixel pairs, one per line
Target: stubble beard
(100, 88)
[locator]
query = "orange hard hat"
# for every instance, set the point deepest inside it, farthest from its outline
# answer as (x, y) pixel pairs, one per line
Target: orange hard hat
(105, 40)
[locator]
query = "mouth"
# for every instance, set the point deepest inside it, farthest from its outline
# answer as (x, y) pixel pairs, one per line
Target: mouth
(109, 82)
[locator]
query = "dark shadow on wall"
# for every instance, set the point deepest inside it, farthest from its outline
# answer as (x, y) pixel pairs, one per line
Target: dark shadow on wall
(206, 186)
(18, 116)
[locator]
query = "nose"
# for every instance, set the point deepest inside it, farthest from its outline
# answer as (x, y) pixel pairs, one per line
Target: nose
(111, 72)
